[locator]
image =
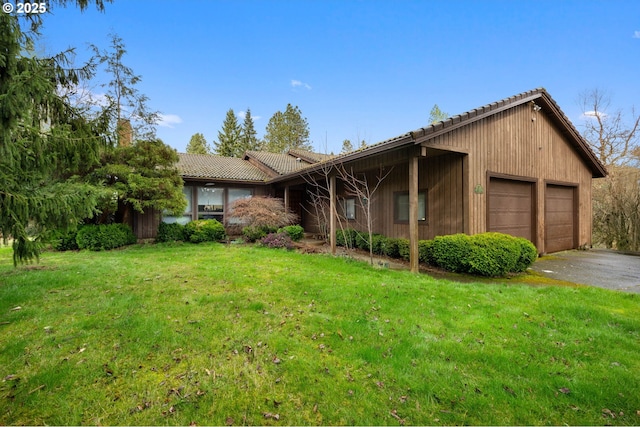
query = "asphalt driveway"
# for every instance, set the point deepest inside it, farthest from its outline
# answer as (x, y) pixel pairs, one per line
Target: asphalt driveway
(596, 267)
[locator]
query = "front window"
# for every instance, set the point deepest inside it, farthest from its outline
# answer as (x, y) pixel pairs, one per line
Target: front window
(186, 216)
(210, 203)
(349, 208)
(236, 194)
(401, 206)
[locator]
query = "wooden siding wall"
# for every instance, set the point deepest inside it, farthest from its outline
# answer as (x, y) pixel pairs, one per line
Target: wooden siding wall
(441, 176)
(145, 226)
(521, 143)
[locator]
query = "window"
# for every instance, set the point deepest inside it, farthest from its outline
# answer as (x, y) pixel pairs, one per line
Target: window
(186, 217)
(233, 195)
(349, 208)
(401, 206)
(210, 203)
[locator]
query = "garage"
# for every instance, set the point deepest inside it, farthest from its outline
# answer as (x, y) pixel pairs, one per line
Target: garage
(511, 207)
(559, 218)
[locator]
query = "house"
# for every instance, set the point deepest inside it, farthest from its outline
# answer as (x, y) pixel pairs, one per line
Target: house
(516, 166)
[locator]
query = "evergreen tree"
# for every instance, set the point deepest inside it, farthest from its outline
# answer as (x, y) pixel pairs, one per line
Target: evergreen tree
(126, 105)
(248, 139)
(288, 130)
(198, 145)
(142, 176)
(228, 144)
(347, 147)
(437, 115)
(44, 142)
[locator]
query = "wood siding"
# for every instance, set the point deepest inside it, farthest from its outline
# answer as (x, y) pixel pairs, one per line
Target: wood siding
(441, 177)
(145, 226)
(524, 144)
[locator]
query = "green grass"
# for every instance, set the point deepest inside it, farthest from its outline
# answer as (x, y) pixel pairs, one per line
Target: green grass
(213, 334)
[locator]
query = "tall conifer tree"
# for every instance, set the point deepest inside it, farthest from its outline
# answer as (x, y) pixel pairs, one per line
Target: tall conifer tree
(44, 142)
(228, 143)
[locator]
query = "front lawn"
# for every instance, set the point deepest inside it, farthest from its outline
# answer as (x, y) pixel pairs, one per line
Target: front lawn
(234, 334)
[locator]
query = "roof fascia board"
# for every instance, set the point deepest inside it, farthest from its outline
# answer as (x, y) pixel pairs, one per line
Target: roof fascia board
(422, 135)
(358, 155)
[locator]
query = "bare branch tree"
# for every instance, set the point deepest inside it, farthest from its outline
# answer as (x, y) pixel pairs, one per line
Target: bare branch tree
(358, 186)
(616, 198)
(611, 136)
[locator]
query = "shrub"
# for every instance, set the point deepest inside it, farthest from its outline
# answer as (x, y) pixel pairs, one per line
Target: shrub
(253, 233)
(170, 232)
(528, 254)
(204, 230)
(424, 248)
(390, 248)
(295, 232)
(378, 242)
(486, 254)
(451, 252)
(347, 237)
(492, 254)
(64, 240)
(404, 249)
(104, 237)
(277, 240)
(261, 212)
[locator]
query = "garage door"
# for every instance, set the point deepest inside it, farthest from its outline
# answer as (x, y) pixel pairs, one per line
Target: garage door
(559, 218)
(511, 207)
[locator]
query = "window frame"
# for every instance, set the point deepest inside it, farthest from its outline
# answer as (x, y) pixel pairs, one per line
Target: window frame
(345, 204)
(396, 207)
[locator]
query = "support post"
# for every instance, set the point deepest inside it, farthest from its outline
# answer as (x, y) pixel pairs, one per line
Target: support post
(413, 214)
(286, 197)
(332, 213)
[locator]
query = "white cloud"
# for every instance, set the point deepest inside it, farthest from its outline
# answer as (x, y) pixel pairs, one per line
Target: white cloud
(298, 83)
(243, 114)
(168, 120)
(636, 34)
(587, 115)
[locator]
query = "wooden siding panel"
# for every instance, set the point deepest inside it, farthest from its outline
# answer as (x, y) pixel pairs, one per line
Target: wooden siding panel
(521, 143)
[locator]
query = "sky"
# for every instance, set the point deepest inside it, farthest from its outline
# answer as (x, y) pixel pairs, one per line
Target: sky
(358, 70)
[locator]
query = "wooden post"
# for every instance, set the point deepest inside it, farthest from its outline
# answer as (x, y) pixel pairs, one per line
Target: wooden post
(332, 213)
(286, 197)
(413, 214)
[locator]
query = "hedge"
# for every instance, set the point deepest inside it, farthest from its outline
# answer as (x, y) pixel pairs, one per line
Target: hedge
(295, 232)
(170, 232)
(104, 237)
(204, 230)
(485, 254)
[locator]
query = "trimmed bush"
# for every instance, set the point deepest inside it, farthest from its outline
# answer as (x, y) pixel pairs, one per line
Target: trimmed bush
(378, 241)
(64, 240)
(485, 254)
(170, 232)
(391, 248)
(347, 237)
(492, 254)
(451, 252)
(104, 237)
(204, 230)
(277, 240)
(424, 248)
(528, 255)
(404, 249)
(295, 232)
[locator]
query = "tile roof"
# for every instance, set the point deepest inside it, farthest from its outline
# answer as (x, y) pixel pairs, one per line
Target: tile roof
(281, 164)
(310, 156)
(218, 167)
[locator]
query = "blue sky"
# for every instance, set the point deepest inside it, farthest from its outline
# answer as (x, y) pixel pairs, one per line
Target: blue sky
(358, 69)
